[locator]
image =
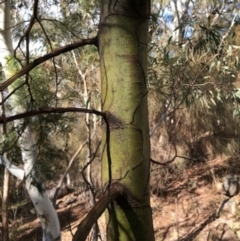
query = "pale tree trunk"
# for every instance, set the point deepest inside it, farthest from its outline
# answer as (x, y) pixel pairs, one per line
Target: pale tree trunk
(6, 50)
(90, 135)
(5, 201)
(5, 198)
(123, 48)
(92, 198)
(36, 190)
(6, 47)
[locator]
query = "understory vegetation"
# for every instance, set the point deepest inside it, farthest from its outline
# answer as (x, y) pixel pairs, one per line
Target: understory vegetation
(54, 87)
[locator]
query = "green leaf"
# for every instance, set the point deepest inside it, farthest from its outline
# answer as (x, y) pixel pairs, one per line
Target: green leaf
(211, 66)
(213, 101)
(235, 113)
(237, 93)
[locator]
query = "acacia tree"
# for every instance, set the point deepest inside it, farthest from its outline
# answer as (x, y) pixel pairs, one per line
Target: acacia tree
(122, 43)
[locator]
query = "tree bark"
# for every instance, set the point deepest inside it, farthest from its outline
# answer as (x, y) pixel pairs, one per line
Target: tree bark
(123, 48)
(5, 201)
(87, 223)
(36, 190)
(6, 50)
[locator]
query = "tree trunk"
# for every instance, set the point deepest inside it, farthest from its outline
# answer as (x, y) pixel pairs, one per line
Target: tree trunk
(92, 198)
(123, 47)
(5, 205)
(36, 190)
(6, 50)
(6, 47)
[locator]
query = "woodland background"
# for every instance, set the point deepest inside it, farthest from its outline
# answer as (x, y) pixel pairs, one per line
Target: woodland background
(193, 90)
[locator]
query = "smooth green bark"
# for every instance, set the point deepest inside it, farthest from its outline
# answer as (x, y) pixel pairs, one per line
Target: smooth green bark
(123, 39)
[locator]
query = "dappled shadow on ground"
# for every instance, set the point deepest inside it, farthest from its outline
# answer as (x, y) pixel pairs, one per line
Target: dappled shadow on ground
(193, 235)
(184, 210)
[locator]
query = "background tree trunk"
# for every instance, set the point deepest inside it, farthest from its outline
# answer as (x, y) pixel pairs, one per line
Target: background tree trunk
(123, 41)
(6, 50)
(34, 185)
(5, 205)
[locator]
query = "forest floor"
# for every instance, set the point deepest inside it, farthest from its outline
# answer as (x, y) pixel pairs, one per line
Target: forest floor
(184, 211)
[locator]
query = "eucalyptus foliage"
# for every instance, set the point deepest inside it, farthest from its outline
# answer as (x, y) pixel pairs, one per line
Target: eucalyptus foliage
(194, 72)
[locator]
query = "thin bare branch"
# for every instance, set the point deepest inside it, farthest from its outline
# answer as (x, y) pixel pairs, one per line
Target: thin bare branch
(31, 23)
(40, 60)
(173, 159)
(50, 110)
(66, 172)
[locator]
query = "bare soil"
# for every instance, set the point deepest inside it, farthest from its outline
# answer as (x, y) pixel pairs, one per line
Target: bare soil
(183, 211)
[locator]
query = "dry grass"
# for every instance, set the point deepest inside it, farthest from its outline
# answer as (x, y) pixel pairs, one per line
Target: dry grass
(183, 211)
